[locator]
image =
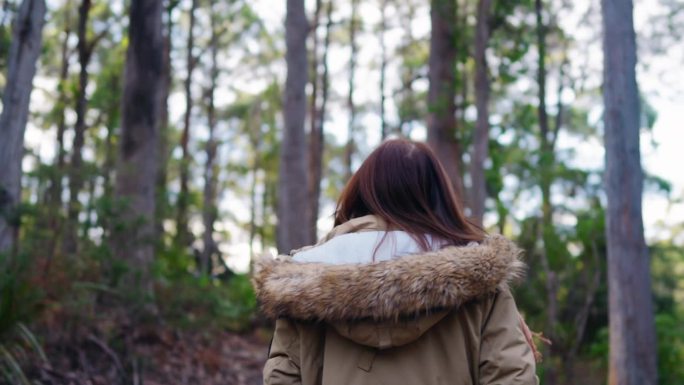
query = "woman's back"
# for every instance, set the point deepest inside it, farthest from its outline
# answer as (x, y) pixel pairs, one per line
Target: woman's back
(437, 317)
(404, 290)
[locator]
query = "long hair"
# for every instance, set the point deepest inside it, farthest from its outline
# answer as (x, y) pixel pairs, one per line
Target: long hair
(404, 183)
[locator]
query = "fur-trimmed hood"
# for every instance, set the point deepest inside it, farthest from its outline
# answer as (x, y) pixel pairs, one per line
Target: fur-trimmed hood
(402, 287)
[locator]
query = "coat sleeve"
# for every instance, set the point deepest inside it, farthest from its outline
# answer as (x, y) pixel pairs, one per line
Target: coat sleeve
(283, 364)
(505, 356)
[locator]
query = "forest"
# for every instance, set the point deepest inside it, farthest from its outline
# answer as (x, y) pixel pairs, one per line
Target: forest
(151, 149)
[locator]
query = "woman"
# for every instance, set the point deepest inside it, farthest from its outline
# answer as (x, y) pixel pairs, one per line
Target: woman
(404, 289)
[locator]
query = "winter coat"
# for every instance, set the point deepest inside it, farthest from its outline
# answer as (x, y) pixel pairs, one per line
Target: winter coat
(439, 317)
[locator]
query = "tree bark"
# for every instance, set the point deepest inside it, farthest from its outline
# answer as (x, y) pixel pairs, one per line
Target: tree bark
(76, 163)
(316, 138)
(582, 315)
(408, 75)
(632, 333)
(209, 209)
(162, 202)
(183, 236)
(325, 78)
(442, 130)
(113, 121)
(89, 208)
(293, 216)
(24, 52)
(546, 161)
(255, 138)
(137, 166)
(481, 140)
(383, 68)
(349, 148)
(313, 113)
(546, 153)
(55, 191)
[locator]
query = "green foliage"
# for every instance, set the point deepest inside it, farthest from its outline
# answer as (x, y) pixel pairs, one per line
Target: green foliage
(670, 336)
(191, 301)
(667, 270)
(173, 263)
(670, 332)
(19, 302)
(19, 299)
(208, 303)
(600, 348)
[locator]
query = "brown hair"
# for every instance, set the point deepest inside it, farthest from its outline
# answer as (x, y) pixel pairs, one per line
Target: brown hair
(404, 183)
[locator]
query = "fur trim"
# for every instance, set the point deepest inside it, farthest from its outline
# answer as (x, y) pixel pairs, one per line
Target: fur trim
(403, 286)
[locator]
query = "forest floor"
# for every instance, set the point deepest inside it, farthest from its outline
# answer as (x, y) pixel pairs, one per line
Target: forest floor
(154, 356)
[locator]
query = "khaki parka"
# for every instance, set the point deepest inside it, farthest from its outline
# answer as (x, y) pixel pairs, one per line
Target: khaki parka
(438, 318)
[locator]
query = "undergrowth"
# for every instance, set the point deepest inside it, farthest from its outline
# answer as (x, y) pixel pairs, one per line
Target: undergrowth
(55, 310)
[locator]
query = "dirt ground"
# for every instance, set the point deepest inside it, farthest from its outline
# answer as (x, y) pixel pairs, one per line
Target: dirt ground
(154, 357)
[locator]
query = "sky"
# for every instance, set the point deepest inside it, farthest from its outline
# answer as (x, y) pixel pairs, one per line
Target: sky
(659, 76)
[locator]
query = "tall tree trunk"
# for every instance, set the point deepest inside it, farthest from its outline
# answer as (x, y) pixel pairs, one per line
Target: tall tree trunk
(54, 193)
(442, 130)
(293, 216)
(383, 68)
(24, 52)
(349, 148)
(546, 161)
(183, 236)
(209, 209)
(137, 166)
(408, 76)
(89, 208)
(316, 138)
(255, 138)
(108, 167)
(113, 121)
(547, 155)
(313, 107)
(481, 141)
(161, 190)
(582, 315)
(76, 164)
(632, 333)
(325, 77)
(265, 204)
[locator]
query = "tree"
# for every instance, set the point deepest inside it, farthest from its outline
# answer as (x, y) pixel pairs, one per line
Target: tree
(293, 217)
(442, 133)
(54, 193)
(167, 85)
(316, 136)
(546, 161)
(632, 332)
(85, 50)
(137, 166)
(383, 67)
(413, 53)
(353, 31)
(23, 55)
(211, 169)
(182, 232)
(481, 141)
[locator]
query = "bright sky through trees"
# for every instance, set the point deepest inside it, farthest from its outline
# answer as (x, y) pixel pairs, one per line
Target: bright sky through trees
(659, 81)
